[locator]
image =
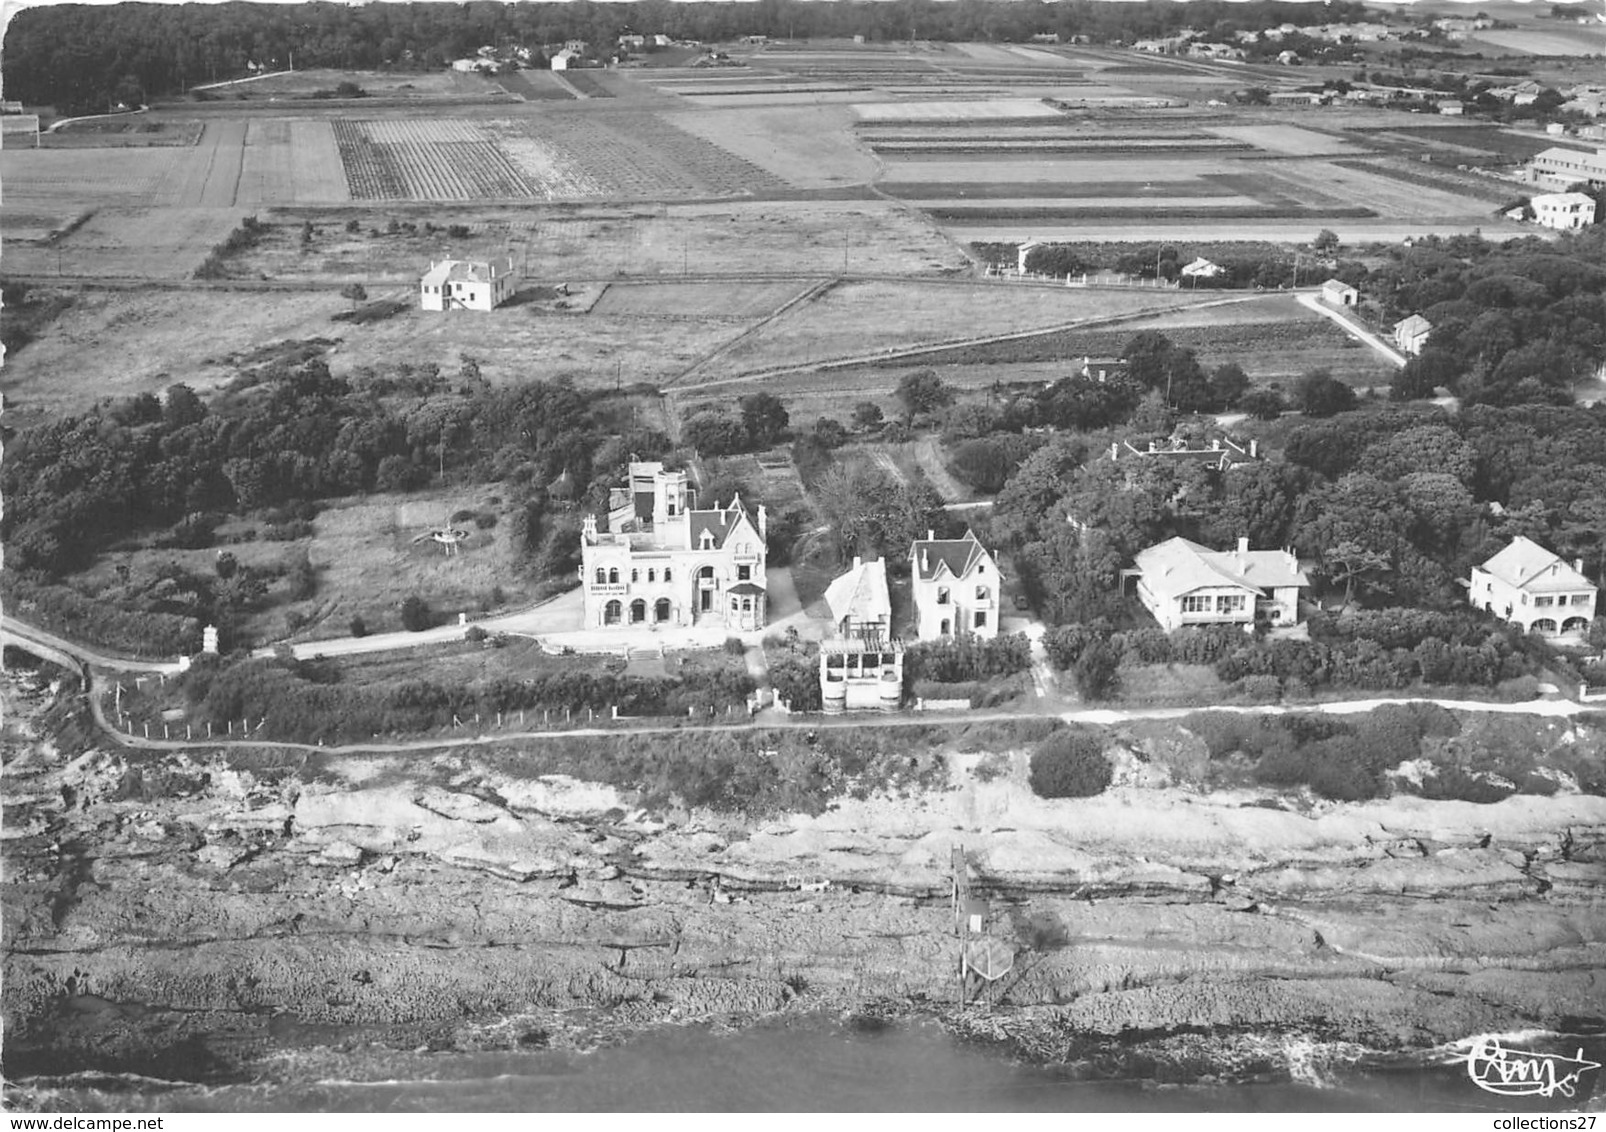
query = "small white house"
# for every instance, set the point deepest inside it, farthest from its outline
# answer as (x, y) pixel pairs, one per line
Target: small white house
(1411, 334)
(1337, 293)
(1202, 268)
(455, 284)
(1532, 588)
(567, 60)
(1451, 107)
(1564, 211)
(956, 587)
(1183, 583)
(1024, 250)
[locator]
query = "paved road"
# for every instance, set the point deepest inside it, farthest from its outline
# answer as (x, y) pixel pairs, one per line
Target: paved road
(1352, 328)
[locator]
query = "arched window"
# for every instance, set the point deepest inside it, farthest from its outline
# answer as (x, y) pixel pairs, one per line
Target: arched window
(635, 576)
(611, 613)
(613, 576)
(706, 572)
(667, 578)
(660, 610)
(602, 576)
(638, 611)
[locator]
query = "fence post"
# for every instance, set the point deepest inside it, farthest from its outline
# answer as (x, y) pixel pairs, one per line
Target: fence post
(186, 731)
(147, 731)
(164, 731)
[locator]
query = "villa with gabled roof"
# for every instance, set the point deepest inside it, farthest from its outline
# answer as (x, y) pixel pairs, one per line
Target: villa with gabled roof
(664, 562)
(1535, 590)
(956, 586)
(1184, 583)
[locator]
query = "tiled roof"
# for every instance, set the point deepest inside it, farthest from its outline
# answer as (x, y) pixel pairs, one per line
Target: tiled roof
(957, 554)
(719, 522)
(461, 270)
(1528, 566)
(1185, 566)
(861, 593)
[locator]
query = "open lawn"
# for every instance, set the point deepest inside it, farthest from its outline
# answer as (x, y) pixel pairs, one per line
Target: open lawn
(740, 301)
(864, 317)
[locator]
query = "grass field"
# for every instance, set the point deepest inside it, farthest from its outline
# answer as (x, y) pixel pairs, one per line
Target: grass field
(1563, 40)
(738, 301)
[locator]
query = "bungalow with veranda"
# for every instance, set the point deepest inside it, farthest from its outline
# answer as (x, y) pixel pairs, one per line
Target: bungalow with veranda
(1533, 589)
(1183, 583)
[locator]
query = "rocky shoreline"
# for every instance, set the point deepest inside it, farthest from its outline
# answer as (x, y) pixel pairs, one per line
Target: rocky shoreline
(192, 918)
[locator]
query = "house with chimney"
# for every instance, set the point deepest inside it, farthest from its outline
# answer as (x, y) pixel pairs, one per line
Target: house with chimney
(467, 285)
(1534, 589)
(861, 665)
(1183, 583)
(956, 587)
(663, 561)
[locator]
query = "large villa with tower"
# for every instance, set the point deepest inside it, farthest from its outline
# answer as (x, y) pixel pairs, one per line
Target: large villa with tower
(663, 562)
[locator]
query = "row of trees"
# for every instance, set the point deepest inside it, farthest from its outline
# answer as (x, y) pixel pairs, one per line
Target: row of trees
(82, 57)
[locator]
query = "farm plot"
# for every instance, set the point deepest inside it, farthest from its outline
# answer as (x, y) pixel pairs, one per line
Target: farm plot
(1138, 172)
(1385, 196)
(990, 110)
(809, 147)
(426, 159)
(291, 161)
(533, 86)
(858, 319)
(952, 191)
(939, 148)
(740, 301)
(1294, 141)
(120, 132)
(1568, 41)
(589, 85)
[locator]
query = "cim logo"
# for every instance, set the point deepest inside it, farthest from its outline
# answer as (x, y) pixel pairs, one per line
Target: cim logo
(1528, 1073)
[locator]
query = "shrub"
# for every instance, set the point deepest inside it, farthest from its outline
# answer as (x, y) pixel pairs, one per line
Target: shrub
(1070, 764)
(1095, 671)
(416, 614)
(734, 646)
(475, 633)
(358, 627)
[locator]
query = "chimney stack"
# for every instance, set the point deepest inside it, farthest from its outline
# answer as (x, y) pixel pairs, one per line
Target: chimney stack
(857, 561)
(930, 534)
(1578, 564)
(1243, 546)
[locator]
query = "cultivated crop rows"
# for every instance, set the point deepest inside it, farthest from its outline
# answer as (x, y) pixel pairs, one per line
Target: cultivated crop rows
(426, 159)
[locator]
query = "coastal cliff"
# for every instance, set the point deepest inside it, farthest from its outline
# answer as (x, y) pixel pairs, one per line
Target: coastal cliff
(189, 915)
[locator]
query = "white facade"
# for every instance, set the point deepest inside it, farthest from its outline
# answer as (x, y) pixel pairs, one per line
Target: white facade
(454, 284)
(662, 562)
(956, 588)
(1411, 334)
(1182, 583)
(1339, 294)
(1533, 589)
(1564, 211)
(1559, 168)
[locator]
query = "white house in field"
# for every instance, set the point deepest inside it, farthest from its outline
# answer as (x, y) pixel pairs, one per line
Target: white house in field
(1564, 211)
(467, 285)
(664, 562)
(1183, 583)
(956, 587)
(1411, 334)
(1530, 587)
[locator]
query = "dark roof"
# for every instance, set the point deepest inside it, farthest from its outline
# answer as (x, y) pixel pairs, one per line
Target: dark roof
(958, 554)
(719, 522)
(745, 588)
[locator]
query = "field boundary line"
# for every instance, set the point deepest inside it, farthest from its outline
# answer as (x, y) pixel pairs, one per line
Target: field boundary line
(959, 343)
(806, 295)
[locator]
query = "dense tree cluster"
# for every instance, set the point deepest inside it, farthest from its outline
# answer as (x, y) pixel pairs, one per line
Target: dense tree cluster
(84, 57)
(281, 437)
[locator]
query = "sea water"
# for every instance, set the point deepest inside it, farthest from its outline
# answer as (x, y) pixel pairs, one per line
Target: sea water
(810, 1065)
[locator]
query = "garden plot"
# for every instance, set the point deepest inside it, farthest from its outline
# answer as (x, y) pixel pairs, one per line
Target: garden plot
(1294, 141)
(992, 109)
(290, 161)
(1562, 41)
(1384, 196)
(426, 159)
(1138, 172)
(809, 147)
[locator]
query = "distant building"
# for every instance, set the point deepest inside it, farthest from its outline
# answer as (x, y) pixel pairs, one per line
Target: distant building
(1533, 589)
(1564, 211)
(1337, 293)
(1559, 168)
(1411, 334)
(1202, 268)
(633, 42)
(1221, 452)
(454, 284)
(664, 562)
(1022, 251)
(1453, 107)
(1288, 58)
(861, 666)
(1102, 369)
(956, 587)
(1182, 583)
(1296, 97)
(568, 60)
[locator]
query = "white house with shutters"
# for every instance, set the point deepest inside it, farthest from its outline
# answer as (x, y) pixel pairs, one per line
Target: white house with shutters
(665, 562)
(467, 285)
(1183, 583)
(1534, 589)
(956, 587)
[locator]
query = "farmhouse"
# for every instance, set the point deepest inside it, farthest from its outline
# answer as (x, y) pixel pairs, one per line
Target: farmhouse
(1183, 583)
(861, 666)
(1560, 168)
(1564, 210)
(567, 60)
(1453, 107)
(956, 587)
(455, 284)
(1202, 268)
(1340, 294)
(1102, 369)
(662, 562)
(1530, 587)
(1022, 251)
(1411, 334)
